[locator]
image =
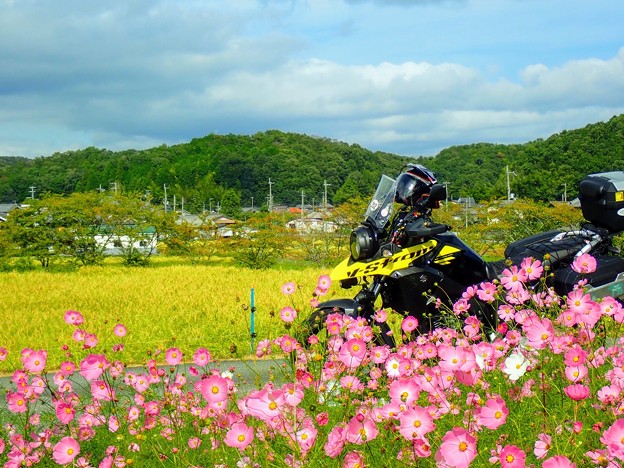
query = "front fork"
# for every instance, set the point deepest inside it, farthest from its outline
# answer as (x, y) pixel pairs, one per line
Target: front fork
(366, 299)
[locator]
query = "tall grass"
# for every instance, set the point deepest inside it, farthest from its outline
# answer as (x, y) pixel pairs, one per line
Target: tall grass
(189, 305)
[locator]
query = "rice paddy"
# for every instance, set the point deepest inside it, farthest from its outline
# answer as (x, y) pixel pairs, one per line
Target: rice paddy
(164, 305)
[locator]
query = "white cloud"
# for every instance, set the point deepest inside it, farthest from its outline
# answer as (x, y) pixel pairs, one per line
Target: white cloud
(138, 74)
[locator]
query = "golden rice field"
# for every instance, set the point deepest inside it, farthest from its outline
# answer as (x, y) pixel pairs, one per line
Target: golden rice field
(162, 306)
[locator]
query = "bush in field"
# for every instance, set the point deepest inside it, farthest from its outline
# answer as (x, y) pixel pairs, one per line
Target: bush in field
(76, 228)
(547, 389)
(261, 243)
(197, 242)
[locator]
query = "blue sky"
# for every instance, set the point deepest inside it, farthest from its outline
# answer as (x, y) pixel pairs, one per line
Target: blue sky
(410, 77)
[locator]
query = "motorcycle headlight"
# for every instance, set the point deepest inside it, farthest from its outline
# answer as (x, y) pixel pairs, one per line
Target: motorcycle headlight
(363, 243)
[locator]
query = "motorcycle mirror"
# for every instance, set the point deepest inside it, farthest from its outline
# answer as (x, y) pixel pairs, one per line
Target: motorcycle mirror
(438, 193)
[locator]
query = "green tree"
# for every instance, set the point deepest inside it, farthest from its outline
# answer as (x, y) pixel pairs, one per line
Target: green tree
(231, 203)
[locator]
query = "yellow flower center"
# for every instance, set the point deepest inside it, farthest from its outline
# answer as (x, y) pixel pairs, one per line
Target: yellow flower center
(215, 389)
(463, 446)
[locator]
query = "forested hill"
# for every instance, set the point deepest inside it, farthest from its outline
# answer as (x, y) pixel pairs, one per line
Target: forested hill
(208, 169)
(541, 169)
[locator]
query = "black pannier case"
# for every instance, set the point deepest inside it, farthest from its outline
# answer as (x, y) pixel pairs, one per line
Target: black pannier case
(602, 200)
(607, 270)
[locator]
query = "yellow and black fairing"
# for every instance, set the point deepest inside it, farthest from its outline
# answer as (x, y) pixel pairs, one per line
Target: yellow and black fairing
(442, 272)
(439, 267)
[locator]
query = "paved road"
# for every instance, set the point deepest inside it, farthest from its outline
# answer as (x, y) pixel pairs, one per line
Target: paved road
(247, 375)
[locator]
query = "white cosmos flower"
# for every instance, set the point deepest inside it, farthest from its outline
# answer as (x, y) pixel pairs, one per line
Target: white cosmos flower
(515, 366)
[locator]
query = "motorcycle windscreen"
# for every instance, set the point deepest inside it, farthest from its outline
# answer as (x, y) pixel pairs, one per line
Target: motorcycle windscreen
(380, 208)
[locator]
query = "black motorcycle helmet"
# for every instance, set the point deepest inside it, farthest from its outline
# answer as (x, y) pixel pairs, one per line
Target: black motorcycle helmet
(414, 185)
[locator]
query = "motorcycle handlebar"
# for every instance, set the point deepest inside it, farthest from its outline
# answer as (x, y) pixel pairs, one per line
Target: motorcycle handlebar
(426, 229)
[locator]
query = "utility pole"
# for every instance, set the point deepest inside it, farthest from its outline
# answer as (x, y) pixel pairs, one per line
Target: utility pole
(270, 195)
(508, 172)
(32, 191)
(446, 184)
(252, 204)
(114, 187)
(210, 205)
(174, 202)
(325, 185)
(565, 191)
(166, 203)
(302, 203)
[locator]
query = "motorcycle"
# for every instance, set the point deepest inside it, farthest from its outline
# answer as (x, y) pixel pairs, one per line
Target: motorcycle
(417, 266)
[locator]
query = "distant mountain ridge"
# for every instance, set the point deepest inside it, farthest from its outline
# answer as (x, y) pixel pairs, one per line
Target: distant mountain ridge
(290, 166)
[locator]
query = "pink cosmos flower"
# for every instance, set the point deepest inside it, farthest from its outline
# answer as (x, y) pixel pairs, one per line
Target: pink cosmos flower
(506, 312)
(293, 393)
(73, 317)
(575, 373)
(324, 282)
(16, 402)
(322, 418)
(288, 314)
(336, 440)
(263, 348)
(458, 448)
(493, 414)
(380, 316)
(454, 358)
(360, 430)
(409, 324)
(352, 353)
(353, 459)
(486, 291)
(201, 357)
(539, 332)
(575, 356)
(513, 278)
(289, 288)
(404, 391)
(93, 366)
(558, 461)
(613, 438)
(512, 457)
(533, 268)
(3, 353)
(472, 327)
(577, 392)
(239, 436)
(461, 307)
(79, 335)
(65, 412)
(194, 442)
(101, 390)
(416, 423)
(35, 361)
(214, 389)
(90, 340)
(542, 445)
(65, 451)
(584, 264)
(120, 330)
(173, 356)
